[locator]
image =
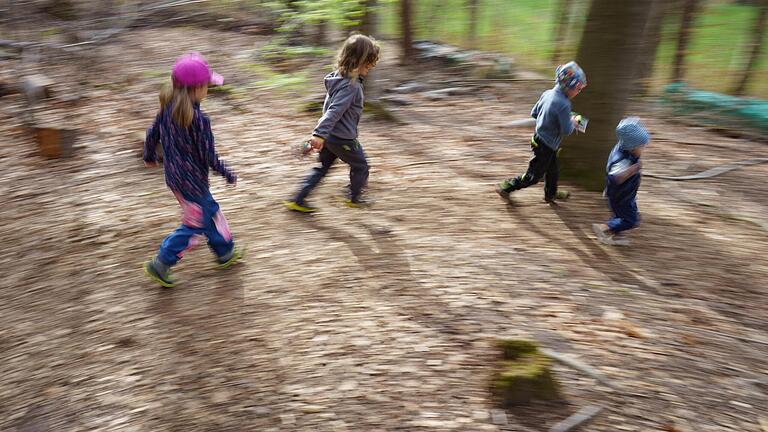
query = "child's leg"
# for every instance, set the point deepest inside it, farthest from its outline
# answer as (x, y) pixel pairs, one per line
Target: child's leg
(552, 176)
(173, 247)
(353, 154)
(217, 230)
(186, 236)
(537, 167)
(625, 217)
(326, 158)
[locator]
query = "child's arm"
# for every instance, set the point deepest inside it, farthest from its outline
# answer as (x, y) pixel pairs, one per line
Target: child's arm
(339, 104)
(535, 110)
(150, 143)
(212, 158)
(621, 171)
(566, 121)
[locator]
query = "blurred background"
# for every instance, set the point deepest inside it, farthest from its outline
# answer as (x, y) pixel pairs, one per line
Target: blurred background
(724, 38)
(403, 317)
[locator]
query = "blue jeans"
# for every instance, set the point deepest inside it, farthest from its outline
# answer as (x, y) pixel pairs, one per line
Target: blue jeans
(200, 216)
(625, 214)
(351, 152)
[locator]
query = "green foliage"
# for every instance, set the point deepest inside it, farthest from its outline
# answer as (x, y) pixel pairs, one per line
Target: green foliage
(274, 50)
(295, 14)
(716, 51)
(526, 30)
(271, 79)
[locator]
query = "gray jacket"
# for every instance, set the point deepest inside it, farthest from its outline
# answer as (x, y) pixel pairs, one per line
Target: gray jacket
(342, 108)
(553, 117)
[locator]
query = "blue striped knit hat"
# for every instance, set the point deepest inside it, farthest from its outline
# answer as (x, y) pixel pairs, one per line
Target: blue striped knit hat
(570, 75)
(631, 133)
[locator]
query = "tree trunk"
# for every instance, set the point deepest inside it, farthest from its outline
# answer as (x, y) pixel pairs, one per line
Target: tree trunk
(433, 19)
(407, 31)
(758, 31)
(651, 38)
(368, 21)
(368, 27)
(474, 7)
(686, 22)
(563, 13)
(609, 47)
(321, 33)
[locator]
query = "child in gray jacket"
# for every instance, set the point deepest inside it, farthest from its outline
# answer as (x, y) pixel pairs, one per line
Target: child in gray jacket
(554, 121)
(335, 135)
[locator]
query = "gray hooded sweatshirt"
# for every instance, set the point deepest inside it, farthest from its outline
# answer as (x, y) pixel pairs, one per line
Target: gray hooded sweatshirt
(342, 108)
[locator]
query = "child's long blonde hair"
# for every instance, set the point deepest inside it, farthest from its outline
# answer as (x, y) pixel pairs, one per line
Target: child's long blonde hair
(358, 50)
(183, 105)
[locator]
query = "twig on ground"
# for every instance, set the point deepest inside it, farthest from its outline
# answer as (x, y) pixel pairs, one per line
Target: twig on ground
(578, 365)
(577, 419)
(712, 172)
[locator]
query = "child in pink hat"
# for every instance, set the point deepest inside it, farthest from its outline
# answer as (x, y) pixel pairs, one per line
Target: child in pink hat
(188, 154)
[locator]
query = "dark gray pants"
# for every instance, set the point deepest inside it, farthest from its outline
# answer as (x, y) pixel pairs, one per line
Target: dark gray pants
(351, 152)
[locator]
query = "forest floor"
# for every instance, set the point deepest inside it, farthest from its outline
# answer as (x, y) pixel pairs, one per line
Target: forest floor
(373, 320)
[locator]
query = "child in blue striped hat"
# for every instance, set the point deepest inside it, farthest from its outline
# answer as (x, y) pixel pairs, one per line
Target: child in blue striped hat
(623, 181)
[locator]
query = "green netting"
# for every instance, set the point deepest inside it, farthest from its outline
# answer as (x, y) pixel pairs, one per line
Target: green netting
(718, 109)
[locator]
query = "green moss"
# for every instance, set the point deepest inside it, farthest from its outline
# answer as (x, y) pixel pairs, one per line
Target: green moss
(523, 375)
(514, 348)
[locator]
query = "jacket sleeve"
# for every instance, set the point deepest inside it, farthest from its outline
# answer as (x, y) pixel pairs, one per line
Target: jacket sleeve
(536, 109)
(617, 171)
(151, 141)
(564, 118)
(209, 150)
(340, 102)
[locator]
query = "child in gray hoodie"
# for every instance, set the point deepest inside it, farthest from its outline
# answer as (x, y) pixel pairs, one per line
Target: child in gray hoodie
(335, 135)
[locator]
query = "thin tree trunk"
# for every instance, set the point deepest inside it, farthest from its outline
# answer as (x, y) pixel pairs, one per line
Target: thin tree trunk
(563, 13)
(368, 21)
(433, 20)
(755, 46)
(406, 31)
(321, 33)
(474, 7)
(611, 37)
(652, 38)
(368, 27)
(686, 22)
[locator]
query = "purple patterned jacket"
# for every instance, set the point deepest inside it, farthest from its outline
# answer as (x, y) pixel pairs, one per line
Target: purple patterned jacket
(187, 153)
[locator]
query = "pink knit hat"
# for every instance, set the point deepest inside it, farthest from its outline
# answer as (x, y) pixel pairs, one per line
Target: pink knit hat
(191, 70)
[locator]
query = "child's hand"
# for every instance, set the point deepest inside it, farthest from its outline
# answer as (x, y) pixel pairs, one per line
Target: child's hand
(316, 142)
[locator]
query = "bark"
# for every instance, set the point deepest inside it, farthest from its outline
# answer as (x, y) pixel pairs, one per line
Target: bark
(686, 22)
(608, 51)
(755, 46)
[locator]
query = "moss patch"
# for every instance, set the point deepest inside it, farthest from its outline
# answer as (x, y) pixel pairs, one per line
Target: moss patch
(523, 374)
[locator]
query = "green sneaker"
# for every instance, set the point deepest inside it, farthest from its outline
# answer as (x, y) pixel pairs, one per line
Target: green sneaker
(503, 190)
(294, 206)
(358, 204)
(237, 255)
(164, 279)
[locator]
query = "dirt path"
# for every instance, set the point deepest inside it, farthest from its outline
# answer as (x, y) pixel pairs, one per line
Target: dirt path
(372, 320)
